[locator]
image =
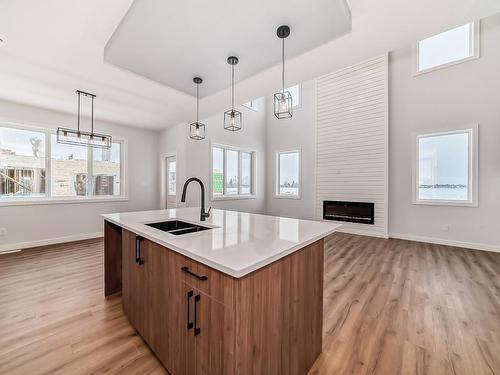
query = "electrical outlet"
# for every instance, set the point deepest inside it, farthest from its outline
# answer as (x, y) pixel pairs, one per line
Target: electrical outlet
(445, 227)
(3, 232)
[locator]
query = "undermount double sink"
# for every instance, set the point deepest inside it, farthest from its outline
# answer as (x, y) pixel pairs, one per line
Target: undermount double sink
(177, 227)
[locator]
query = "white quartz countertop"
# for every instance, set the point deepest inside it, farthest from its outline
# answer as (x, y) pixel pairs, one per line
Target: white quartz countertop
(238, 243)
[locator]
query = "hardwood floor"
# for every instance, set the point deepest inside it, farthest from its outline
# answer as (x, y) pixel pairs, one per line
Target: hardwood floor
(390, 307)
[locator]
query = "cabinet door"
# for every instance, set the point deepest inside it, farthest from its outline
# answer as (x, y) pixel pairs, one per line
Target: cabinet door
(214, 336)
(156, 266)
(134, 280)
(180, 343)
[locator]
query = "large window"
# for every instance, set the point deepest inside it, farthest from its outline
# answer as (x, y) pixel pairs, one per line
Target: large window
(451, 47)
(34, 167)
(288, 174)
(232, 172)
(445, 169)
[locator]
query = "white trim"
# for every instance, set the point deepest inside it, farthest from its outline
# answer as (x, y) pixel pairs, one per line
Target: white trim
(475, 52)
(5, 202)
(472, 200)
(49, 241)
(443, 241)
(276, 174)
(253, 105)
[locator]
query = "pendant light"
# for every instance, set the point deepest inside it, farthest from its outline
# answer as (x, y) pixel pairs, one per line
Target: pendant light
(81, 137)
(232, 118)
(197, 129)
(283, 99)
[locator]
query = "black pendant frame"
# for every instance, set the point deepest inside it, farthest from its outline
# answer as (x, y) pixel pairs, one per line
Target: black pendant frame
(283, 101)
(232, 118)
(197, 129)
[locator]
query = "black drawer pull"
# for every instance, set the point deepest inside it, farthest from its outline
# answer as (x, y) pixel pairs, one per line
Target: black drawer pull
(186, 269)
(138, 241)
(197, 329)
(189, 323)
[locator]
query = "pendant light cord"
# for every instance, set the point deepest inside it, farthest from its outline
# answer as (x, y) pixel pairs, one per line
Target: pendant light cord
(197, 100)
(92, 118)
(283, 67)
(232, 88)
(78, 110)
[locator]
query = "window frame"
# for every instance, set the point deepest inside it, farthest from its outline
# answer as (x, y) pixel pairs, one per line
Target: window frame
(253, 173)
(277, 174)
(251, 104)
(49, 199)
(473, 167)
(299, 91)
(475, 41)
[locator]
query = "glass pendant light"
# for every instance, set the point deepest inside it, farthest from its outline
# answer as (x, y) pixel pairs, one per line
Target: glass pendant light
(283, 99)
(197, 129)
(81, 137)
(232, 118)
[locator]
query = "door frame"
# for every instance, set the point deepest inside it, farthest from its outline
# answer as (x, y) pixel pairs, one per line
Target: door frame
(163, 179)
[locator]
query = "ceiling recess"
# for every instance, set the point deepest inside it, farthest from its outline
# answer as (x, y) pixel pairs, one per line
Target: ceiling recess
(164, 40)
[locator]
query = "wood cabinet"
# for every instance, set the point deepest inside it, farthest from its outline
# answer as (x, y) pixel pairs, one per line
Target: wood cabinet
(199, 321)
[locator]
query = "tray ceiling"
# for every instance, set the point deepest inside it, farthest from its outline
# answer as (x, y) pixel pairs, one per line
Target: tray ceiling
(170, 41)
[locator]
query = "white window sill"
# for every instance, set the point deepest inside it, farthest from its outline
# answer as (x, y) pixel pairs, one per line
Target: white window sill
(70, 200)
(283, 196)
(232, 197)
(436, 202)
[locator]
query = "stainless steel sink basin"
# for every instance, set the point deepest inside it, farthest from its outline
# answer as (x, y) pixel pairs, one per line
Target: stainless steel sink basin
(177, 227)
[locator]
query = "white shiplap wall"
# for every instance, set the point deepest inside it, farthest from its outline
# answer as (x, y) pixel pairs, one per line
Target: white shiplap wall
(352, 140)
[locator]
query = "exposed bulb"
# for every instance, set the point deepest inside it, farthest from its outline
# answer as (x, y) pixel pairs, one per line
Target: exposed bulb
(197, 131)
(283, 107)
(233, 120)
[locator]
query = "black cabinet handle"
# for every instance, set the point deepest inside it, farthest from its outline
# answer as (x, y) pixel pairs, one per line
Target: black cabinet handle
(186, 269)
(138, 241)
(197, 329)
(189, 323)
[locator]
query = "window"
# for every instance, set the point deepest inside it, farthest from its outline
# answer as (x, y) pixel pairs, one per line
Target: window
(172, 181)
(34, 167)
(295, 91)
(451, 47)
(288, 174)
(252, 104)
(22, 163)
(446, 168)
(232, 173)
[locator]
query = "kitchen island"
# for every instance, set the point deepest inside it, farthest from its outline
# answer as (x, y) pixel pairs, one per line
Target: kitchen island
(238, 293)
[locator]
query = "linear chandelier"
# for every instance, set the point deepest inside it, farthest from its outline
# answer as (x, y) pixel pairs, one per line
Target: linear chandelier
(81, 137)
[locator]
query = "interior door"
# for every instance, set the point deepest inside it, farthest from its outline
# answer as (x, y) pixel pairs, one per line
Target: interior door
(171, 182)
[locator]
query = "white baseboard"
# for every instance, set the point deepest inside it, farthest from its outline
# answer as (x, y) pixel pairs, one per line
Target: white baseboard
(442, 241)
(361, 232)
(49, 241)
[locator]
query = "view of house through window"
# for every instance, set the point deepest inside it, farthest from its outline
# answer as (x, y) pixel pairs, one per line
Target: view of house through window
(22, 163)
(75, 171)
(446, 48)
(232, 171)
(444, 166)
(288, 174)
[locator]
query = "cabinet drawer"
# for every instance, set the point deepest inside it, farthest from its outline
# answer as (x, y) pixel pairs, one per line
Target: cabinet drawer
(207, 280)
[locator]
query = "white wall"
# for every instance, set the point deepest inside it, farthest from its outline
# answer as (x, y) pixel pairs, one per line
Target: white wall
(194, 156)
(456, 96)
(298, 132)
(39, 224)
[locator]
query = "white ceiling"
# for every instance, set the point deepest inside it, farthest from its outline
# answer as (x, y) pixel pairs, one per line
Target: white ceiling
(53, 47)
(172, 41)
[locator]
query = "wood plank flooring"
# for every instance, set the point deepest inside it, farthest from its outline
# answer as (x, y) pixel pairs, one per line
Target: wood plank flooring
(390, 307)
